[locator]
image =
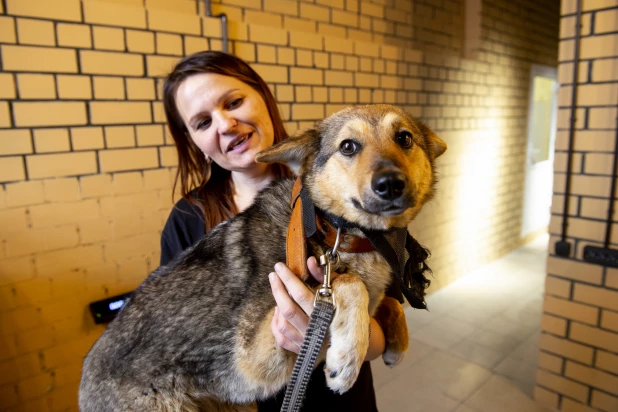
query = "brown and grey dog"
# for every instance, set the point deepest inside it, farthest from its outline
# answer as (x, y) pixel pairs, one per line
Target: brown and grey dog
(196, 334)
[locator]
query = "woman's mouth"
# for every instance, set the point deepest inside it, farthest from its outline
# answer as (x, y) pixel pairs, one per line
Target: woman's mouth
(239, 143)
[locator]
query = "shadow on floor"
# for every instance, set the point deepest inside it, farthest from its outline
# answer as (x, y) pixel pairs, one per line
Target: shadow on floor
(476, 350)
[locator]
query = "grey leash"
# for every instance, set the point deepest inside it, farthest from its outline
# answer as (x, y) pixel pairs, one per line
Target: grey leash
(321, 317)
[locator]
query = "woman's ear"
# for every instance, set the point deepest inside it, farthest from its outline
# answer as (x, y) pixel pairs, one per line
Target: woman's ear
(293, 151)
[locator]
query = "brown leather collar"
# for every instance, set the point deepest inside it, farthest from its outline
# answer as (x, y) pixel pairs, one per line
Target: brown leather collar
(296, 247)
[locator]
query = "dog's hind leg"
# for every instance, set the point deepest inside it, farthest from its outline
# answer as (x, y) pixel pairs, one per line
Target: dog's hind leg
(392, 320)
(349, 333)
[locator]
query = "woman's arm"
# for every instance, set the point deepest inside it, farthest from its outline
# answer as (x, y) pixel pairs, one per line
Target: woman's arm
(295, 304)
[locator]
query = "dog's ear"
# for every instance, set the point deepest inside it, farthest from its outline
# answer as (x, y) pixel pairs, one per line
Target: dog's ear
(435, 144)
(293, 151)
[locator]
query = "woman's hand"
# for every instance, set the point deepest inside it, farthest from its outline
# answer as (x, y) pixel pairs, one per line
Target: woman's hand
(295, 304)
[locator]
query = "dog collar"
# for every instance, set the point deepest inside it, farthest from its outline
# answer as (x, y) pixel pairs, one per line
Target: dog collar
(306, 223)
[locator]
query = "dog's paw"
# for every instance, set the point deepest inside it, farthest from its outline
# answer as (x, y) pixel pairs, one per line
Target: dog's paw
(342, 369)
(393, 358)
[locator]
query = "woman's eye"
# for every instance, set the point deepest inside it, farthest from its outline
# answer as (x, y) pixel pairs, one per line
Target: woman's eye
(405, 139)
(203, 124)
(234, 103)
(349, 147)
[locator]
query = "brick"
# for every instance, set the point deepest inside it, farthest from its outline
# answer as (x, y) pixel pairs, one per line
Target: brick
(140, 89)
(335, 95)
(151, 135)
(169, 44)
(68, 10)
(338, 45)
(304, 94)
(114, 14)
(125, 64)
(569, 405)
(307, 111)
(268, 35)
(611, 279)
(291, 23)
(61, 190)
(59, 165)
(65, 354)
(598, 46)
(237, 30)
(588, 5)
(546, 397)
(156, 179)
(131, 247)
(306, 40)
(211, 27)
(566, 348)
(74, 87)
(160, 65)
(597, 163)
(329, 30)
(127, 183)
(5, 115)
(366, 64)
(16, 270)
(575, 270)
(33, 340)
(288, 7)
(596, 296)
(36, 32)
(271, 73)
(605, 21)
(51, 140)
(266, 54)
(603, 70)
(7, 30)
(562, 385)
(390, 82)
(87, 138)
(602, 118)
(263, 18)
(38, 59)
(7, 86)
(108, 38)
(367, 49)
(607, 362)
(338, 78)
(321, 60)
(49, 114)
(550, 362)
(344, 18)
(315, 13)
(170, 21)
(245, 51)
(15, 141)
(609, 320)
(195, 44)
(554, 325)
(595, 337)
(120, 112)
(128, 159)
(8, 395)
(571, 310)
(557, 287)
(306, 76)
(95, 231)
(140, 41)
(285, 93)
(108, 88)
(119, 136)
(592, 377)
(11, 169)
(96, 186)
(371, 9)
(168, 155)
(304, 58)
(36, 86)
(366, 80)
(604, 401)
(74, 35)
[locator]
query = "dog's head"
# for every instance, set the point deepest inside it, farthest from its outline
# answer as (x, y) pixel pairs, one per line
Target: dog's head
(371, 165)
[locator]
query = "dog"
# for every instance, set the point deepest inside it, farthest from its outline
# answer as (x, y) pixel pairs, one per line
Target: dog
(196, 333)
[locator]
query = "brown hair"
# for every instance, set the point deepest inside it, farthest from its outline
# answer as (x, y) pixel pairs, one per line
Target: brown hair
(213, 183)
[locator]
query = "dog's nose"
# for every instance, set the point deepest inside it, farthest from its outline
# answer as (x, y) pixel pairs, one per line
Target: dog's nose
(389, 185)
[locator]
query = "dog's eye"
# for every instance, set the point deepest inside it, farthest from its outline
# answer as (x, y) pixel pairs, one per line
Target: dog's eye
(349, 147)
(405, 139)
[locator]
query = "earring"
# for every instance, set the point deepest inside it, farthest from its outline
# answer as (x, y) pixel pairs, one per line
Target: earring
(208, 159)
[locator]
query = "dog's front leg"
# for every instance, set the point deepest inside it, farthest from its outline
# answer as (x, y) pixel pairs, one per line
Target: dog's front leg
(392, 319)
(349, 333)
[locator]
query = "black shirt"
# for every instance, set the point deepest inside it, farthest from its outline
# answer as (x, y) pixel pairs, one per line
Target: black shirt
(184, 227)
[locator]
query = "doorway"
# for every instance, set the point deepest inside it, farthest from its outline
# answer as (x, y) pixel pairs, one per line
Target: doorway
(542, 111)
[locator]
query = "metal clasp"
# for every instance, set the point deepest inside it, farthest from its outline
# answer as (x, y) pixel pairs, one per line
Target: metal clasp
(329, 258)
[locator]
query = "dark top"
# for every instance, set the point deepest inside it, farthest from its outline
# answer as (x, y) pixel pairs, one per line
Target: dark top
(184, 227)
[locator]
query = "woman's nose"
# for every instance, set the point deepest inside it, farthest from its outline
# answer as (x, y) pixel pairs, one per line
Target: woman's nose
(224, 123)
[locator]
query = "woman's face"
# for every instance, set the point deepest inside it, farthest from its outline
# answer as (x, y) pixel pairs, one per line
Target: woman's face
(226, 118)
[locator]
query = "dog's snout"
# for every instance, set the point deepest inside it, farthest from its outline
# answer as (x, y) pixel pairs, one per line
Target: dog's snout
(389, 184)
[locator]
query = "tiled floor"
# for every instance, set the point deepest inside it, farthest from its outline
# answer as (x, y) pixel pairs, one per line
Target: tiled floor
(476, 349)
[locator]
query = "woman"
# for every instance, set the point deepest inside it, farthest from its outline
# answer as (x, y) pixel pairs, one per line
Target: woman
(221, 114)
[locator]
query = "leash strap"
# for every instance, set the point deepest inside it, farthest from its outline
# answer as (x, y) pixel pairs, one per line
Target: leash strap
(320, 319)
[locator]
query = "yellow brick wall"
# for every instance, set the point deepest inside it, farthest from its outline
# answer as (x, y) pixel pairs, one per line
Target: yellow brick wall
(86, 165)
(578, 359)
